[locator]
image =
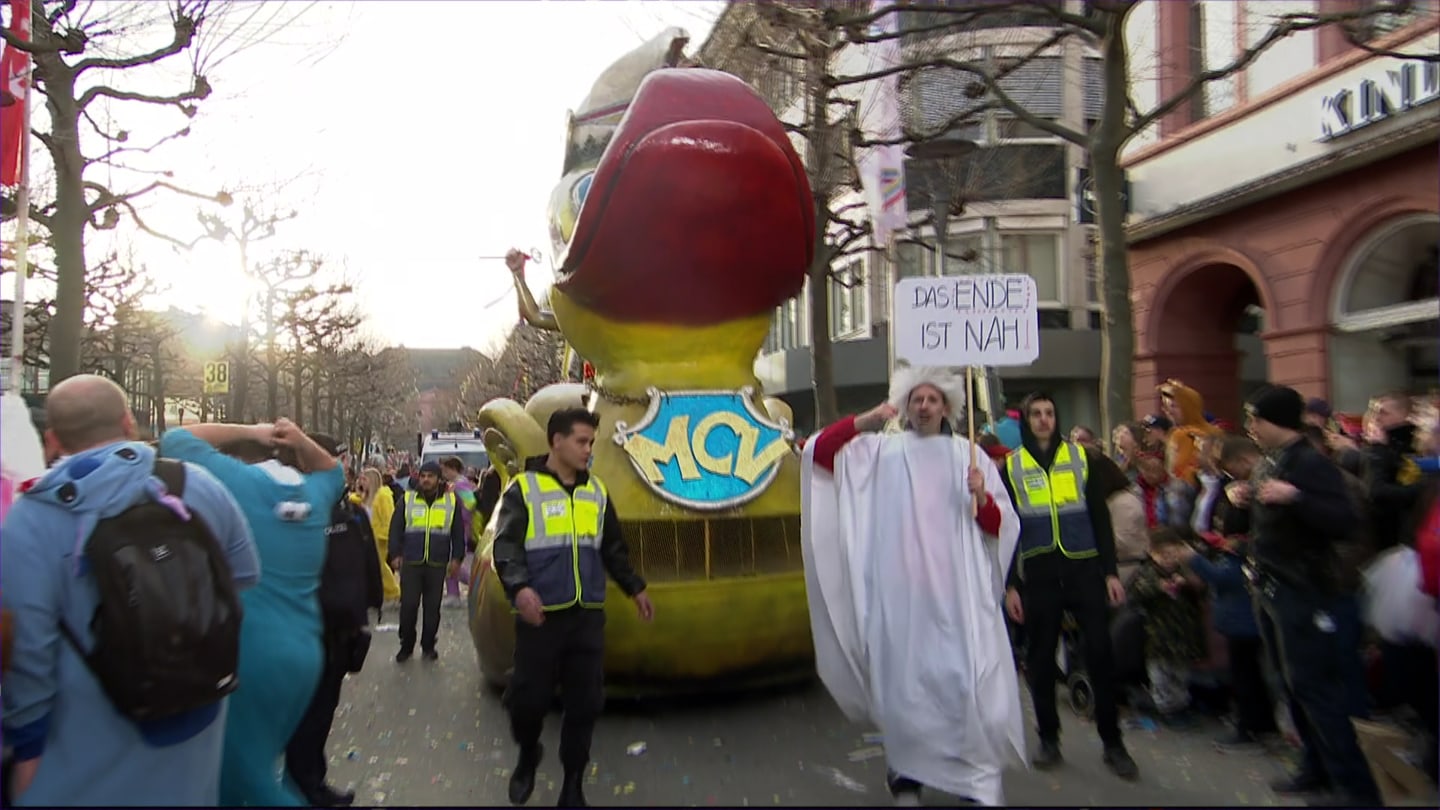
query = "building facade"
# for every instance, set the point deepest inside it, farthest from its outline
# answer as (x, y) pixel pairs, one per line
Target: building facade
(1298, 201)
(1023, 207)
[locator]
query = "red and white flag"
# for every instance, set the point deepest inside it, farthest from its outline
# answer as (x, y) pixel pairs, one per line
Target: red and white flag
(15, 75)
(882, 168)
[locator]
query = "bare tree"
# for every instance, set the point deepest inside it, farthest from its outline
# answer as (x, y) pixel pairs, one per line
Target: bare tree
(87, 56)
(793, 52)
(114, 287)
(277, 278)
(318, 320)
(1100, 26)
(529, 359)
(252, 223)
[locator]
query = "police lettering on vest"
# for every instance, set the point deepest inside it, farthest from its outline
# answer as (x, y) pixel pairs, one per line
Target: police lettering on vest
(1051, 504)
(562, 544)
(424, 522)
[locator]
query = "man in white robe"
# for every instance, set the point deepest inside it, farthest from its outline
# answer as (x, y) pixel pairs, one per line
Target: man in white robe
(905, 576)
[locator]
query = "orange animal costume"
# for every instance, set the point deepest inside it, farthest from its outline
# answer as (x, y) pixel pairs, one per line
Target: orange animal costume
(1182, 452)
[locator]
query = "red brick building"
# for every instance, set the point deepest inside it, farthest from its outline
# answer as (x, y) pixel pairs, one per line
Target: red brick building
(1290, 215)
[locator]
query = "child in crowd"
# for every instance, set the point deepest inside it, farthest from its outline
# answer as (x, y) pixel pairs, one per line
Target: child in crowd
(1170, 599)
(1153, 480)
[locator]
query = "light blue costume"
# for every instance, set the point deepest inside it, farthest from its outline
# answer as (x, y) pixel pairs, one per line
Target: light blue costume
(89, 753)
(280, 653)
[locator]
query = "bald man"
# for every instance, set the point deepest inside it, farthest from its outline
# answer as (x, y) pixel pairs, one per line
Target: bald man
(72, 747)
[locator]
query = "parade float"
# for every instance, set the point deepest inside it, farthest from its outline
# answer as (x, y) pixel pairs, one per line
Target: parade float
(682, 219)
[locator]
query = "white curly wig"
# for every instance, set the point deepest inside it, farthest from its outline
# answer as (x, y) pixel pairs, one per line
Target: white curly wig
(907, 378)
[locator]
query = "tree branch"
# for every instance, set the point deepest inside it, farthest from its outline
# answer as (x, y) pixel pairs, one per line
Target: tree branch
(185, 28)
(142, 149)
(750, 43)
(120, 136)
(1353, 34)
(108, 200)
(199, 90)
(10, 209)
(990, 81)
(61, 10)
(1284, 26)
(72, 41)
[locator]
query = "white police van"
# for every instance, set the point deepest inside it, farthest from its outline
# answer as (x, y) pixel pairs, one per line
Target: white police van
(467, 445)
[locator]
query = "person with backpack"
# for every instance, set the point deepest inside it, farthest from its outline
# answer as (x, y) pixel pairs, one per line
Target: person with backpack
(114, 679)
(350, 587)
(285, 484)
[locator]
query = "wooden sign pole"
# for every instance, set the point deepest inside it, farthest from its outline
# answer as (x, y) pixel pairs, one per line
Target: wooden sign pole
(970, 413)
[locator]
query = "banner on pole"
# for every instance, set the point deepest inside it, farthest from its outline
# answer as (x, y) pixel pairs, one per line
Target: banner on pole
(986, 320)
(15, 75)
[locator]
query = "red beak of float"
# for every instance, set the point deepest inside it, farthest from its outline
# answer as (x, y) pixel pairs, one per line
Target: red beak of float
(699, 211)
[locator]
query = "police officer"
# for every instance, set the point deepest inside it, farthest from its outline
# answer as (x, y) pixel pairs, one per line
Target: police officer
(556, 538)
(349, 587)
(432, 545)
(1309, 621)
(1066, 560)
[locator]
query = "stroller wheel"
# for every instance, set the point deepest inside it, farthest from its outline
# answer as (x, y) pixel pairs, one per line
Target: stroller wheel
(1082, 695)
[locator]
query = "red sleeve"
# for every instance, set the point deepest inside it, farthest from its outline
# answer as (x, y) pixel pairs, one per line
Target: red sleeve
(1428, 546)
(988, 516)
(832, 439)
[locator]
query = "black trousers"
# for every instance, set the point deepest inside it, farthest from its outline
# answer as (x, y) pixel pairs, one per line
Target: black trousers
(1313, 641)
(1053, 586)
(1410, 679)
(1254, 706)
(568, 650)
(305, 755)
(420, 585)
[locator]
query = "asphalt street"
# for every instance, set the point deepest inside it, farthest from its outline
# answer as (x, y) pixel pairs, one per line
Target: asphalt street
(430, 734)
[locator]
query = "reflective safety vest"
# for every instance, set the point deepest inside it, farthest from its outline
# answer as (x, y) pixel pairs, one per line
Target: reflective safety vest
(424, 521)
(562, 544)
(1051, 504)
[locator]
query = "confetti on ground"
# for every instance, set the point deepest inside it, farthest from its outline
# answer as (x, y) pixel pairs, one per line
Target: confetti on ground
(635, 749)
(863, 754)
(840, 779)
(872, 738)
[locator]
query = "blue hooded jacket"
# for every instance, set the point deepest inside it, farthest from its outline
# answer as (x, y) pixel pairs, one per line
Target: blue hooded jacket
(55, 709)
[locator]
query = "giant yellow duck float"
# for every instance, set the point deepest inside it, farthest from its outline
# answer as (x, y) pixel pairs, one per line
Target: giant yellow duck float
(683, 218)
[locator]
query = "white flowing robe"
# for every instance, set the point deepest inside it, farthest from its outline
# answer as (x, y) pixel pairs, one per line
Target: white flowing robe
(906, 607)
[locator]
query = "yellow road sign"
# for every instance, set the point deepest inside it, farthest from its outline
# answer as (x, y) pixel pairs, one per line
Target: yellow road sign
(217, 378)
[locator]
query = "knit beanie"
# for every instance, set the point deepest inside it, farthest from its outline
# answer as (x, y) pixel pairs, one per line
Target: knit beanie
(1278, 405)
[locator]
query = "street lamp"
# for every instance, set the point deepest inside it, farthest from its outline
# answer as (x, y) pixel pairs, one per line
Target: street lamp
(945, 161)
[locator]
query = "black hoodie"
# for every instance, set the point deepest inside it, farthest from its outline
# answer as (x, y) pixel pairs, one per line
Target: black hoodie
(1098, 489)
(1395, 486)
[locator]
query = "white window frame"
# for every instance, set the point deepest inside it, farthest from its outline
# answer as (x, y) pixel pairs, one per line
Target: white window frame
(858, 296)
(1058, 235)
(1091, 236)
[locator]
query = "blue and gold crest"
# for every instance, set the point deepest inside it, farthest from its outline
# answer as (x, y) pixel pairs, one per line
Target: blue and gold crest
(705, 450)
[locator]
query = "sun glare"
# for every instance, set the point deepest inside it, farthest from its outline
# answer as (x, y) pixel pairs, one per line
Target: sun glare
(216, 285)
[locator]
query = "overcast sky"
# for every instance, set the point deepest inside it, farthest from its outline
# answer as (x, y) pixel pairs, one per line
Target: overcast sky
(430, 135)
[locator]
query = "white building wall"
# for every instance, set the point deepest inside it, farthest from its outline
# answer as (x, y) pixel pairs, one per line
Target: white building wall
(1286, 59)
(1142, 40)
(1277, 137)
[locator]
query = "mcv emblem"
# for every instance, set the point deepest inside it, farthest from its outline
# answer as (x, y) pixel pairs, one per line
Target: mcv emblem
(705, 450)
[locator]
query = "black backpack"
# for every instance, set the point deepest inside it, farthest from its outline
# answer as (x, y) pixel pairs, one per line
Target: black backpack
(167, 629)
